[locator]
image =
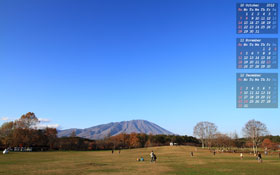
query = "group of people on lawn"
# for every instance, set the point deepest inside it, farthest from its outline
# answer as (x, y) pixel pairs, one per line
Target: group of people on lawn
(153, 157)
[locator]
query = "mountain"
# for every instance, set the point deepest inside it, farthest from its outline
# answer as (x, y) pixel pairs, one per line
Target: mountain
(115, 128)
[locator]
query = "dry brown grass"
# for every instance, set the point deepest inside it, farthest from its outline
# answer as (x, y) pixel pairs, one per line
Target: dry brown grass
(171, 160)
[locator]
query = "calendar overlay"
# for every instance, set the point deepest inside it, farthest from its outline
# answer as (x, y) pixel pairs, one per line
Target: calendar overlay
(257, 90)
(257, 18)
(257, 53)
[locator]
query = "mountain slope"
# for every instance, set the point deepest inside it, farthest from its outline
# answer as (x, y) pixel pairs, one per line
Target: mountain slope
(115, 128)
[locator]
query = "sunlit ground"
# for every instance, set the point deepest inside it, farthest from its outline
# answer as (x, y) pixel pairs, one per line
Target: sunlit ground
(171, 160)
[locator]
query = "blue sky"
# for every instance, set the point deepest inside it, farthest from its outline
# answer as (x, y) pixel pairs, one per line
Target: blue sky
(84, 63)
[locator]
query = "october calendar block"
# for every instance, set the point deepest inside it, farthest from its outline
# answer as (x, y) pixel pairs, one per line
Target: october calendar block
(257, 18)
(257, 90)
(257, 53)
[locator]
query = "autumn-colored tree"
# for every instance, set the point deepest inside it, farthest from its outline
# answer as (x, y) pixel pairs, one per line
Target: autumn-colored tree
(20, 137)
(27, 121)
(222, 141)
(25, 130)
(142, 139)
(248, 144)
(125, 140)
(74, 143)
(150, 141)
(51, 134)
(134, 141)
(268, 144)
(6, 133)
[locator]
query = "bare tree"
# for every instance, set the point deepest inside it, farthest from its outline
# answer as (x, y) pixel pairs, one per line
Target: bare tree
(233, 135)
(254, 130)
(205, 131)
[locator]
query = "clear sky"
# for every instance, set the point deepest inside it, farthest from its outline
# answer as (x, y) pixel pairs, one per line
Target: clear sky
(80, 63)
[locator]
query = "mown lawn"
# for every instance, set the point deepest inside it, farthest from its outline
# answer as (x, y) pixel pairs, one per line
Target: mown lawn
(171, 160)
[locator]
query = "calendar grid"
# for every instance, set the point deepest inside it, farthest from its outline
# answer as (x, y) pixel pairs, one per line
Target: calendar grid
(256, 90)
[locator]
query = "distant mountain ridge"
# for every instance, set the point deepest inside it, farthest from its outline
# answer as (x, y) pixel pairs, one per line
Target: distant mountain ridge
(115, 128)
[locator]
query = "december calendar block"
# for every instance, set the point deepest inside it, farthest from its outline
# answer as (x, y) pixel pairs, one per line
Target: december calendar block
(257, 90)
(257, 53)
(257, 18)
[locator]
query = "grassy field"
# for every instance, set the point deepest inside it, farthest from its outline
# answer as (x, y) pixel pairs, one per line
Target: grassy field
(171, 160)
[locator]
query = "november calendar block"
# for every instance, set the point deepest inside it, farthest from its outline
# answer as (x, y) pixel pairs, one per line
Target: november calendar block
(257, 53)
(257, 90)
(257, 18)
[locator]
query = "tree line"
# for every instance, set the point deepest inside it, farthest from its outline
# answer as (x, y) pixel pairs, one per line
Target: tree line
(24, 133)
(255, 135)
(141, 140)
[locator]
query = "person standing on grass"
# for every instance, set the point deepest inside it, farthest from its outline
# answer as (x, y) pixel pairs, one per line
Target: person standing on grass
(152, 154)
(214, 153)
(259, 157)
(241, 156)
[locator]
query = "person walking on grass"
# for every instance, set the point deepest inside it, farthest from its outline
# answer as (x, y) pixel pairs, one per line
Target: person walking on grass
(259, 157)
(152, 154)
(241, 156)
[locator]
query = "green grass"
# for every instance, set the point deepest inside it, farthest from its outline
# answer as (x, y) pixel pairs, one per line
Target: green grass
(171, 160)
